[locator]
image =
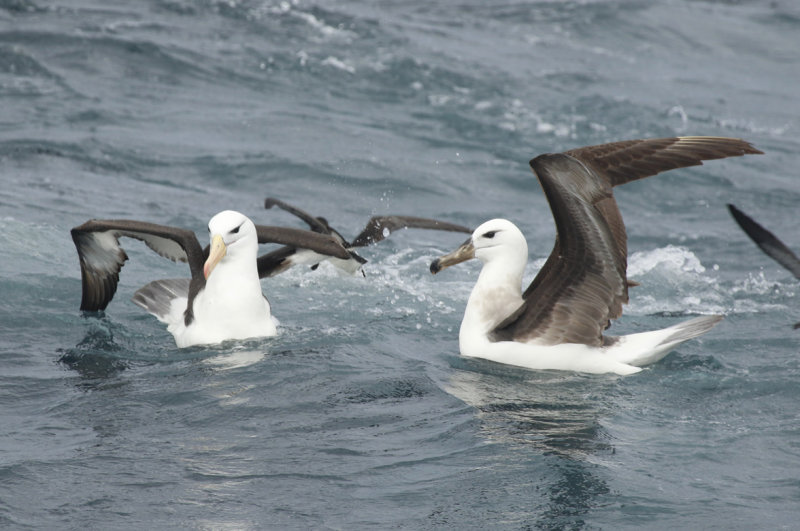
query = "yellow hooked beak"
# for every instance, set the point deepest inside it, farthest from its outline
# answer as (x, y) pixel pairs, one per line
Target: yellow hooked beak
(462, 254)
(215, 254)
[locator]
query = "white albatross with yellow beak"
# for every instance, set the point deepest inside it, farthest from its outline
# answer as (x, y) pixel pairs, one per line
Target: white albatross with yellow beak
(223, 299)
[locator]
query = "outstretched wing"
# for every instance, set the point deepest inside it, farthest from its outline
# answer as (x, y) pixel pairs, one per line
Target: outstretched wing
(379, 227)
(767, 241)
(583, 283)
(275, 262)
(631, 160)
(302, 239)
(295, 242)
(283, 258)
(315, 224)
(102, 257)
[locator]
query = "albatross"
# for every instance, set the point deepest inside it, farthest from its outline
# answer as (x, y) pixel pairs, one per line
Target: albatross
(559, 320)
(377, 229)
(222, 300)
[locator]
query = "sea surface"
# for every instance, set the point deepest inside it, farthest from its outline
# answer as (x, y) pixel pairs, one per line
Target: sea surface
(361, 414)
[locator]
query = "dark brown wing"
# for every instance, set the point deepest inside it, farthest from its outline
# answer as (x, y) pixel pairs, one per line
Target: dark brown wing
(583, 283)
(767, 241)
(275, 262)
(631, 160)
(102, 258)
(315, 224)
(379, 227)
(281, 259)
(302, 239)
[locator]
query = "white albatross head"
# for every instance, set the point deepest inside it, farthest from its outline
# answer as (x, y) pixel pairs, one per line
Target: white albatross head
(496, 241)
(232, 234)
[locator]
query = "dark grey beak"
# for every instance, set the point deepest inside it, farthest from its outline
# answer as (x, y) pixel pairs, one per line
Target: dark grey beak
(465, 252)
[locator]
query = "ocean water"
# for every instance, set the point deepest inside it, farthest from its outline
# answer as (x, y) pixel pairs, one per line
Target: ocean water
(361, 414)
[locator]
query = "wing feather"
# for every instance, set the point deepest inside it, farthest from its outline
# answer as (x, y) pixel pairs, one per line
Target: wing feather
(101, 256)
(302, 239)
(316, 224)
(583, 284)
(767, 241)
(379, 227)
(631, 160)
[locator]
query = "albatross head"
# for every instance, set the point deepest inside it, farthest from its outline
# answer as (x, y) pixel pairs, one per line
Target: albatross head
(497, 240)
(231, 234)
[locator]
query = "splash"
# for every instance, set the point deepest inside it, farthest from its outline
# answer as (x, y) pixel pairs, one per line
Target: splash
(673, 281)
(670, 260)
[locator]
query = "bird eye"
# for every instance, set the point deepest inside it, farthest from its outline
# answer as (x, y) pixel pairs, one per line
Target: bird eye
(236, 230)
(490, 234)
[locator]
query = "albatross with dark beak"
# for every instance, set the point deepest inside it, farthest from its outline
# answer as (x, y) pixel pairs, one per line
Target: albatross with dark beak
(559, 320)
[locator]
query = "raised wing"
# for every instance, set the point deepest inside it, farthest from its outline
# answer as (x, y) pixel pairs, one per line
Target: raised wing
(379, 227)
(102, 257)
(767, 241)
(315, 224)
(631, 160)
(583, 283)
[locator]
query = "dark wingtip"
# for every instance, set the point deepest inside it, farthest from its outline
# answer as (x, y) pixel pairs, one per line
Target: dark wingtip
(269, 202)
(534, 161)
(435, 266)
(751, 149)
(358, 258)
(746, 222)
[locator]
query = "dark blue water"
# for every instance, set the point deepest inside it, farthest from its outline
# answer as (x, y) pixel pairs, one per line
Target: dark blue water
(361, 414)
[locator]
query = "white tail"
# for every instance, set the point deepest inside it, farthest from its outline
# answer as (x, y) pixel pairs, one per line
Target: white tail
(649, 347)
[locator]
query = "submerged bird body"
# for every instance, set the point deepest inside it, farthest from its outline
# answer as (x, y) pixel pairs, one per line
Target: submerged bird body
(558, 322)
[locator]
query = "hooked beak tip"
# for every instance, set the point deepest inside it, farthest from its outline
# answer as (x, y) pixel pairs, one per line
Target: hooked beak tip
(462, 254)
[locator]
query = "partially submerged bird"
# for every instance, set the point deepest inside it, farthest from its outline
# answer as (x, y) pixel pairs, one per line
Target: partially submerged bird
(377, 229)
(558, 322)
(223, 299)
(767, 242)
